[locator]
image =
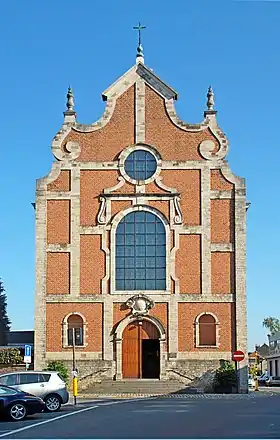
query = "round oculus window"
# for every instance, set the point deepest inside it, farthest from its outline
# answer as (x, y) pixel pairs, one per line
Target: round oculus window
(140, 165)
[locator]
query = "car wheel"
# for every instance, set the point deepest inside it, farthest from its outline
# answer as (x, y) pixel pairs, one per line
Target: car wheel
(53, 403)
(17, 411)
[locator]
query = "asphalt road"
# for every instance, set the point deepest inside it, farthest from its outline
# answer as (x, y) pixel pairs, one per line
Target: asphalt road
(191, 417)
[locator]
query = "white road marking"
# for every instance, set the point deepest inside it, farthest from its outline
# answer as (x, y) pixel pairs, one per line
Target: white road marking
(151, 410)
(34, 425)
(167, 406)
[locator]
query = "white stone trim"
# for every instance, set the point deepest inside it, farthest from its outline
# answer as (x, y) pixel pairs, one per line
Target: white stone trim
(140, 110)
(108, 324)
(40, 282)
(231, 177)
(65, 330)
(222, 247)
(58, 248)
(217, 194)
(75, 235)
(68, 356)
(116, 220)
(106, 250)
(173, 324)
(121, 85)
(204, 355)
(139, 146)
(173, 260)
(205, 215)
(58, 195)
(115, 187)
(157, 297)
(197, 331)
(240, 287)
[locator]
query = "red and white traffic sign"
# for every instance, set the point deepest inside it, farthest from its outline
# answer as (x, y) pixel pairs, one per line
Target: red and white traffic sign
(238, 356)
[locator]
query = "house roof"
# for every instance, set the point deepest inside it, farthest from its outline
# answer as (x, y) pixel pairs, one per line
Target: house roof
(20, 337)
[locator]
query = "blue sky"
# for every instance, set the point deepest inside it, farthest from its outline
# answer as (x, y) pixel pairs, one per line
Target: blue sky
(47, 45)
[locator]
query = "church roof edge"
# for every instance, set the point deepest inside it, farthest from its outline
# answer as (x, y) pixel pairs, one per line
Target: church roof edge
(130, 77)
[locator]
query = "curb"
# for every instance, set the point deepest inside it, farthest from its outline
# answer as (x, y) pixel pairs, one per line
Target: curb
(169, 396)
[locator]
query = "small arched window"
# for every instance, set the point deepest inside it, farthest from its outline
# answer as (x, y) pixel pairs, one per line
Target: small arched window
(75, 326)
(207, 330)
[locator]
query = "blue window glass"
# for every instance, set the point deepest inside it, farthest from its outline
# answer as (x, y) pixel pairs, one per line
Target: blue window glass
(140, 252)
(140, 165)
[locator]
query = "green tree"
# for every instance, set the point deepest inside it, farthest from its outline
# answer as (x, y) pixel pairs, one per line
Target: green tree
(60, 367)
(4, 320)
(272, 324)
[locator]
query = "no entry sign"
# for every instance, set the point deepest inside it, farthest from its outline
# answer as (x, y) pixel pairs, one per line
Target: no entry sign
(238, 356)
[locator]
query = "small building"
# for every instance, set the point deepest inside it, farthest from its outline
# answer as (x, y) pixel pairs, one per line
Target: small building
(20, 338)
(273, 358)
(258, 357)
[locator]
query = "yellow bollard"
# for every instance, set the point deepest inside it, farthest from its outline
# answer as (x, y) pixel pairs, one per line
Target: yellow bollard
(75, 389)
(256, 384)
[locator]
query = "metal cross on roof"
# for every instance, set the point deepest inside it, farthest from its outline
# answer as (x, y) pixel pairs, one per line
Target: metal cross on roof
(139, 28)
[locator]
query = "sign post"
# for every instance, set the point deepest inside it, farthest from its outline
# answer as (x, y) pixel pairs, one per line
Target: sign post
(27, 355)
(74, 372)
(238, 356)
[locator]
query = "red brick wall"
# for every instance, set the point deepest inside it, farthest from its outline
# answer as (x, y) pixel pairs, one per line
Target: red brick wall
(92, 184)
(92, 264)
(187, 183)
(58, 273)
(172, 142)
(188, 264)
(118, 206)
(162, 206)
(58, 221)
(55, 314)
(187, 312)
(222, 221)
(222, 270)
(62, 183)
(107, 143)
(218, 182)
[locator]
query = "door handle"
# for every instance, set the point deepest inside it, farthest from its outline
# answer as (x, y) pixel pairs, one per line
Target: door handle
(42, 385)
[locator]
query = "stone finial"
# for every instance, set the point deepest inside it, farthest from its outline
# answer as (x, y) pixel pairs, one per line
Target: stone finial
(70, 100)
(70, 114)
(210, 99)
(210, 113)
(140, 52)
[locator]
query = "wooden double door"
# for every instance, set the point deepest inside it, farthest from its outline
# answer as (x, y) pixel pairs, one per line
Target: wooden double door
(141, 351)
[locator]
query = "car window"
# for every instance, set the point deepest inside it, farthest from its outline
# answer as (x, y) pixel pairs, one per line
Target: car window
(28, 378)
(44, 377)
(8, 379)
(60, 377)
(7, 391)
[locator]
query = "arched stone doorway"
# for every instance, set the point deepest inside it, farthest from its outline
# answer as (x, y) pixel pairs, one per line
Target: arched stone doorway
(141, 351)
(140, 346)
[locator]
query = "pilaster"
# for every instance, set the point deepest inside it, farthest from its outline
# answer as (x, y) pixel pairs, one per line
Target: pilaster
(40, 282)
(75, 233)
(140, 111)
(206, 231)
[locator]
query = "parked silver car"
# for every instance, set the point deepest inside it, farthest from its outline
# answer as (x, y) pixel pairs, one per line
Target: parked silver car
(273, 381)
(48, 385)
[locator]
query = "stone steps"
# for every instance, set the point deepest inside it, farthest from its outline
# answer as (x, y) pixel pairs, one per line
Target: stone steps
(137, 387)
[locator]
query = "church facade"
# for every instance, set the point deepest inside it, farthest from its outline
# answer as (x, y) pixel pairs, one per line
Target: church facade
(140, 240)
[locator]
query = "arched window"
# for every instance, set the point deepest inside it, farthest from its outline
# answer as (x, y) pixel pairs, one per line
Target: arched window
(75, 326)
(140, 252)
(207, 330)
